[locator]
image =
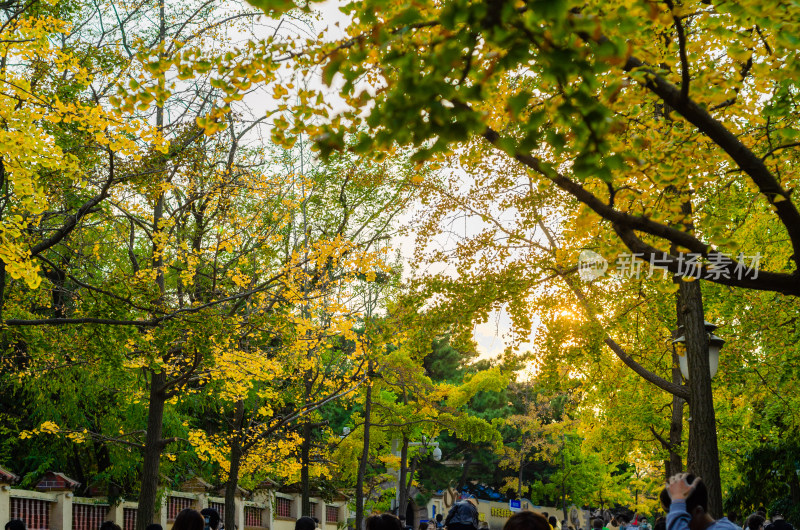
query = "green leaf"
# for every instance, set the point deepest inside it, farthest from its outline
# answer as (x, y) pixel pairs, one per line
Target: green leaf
(518, 101)
(330, 70)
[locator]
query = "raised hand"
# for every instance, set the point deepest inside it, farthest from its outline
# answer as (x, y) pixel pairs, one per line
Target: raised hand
(679, 488)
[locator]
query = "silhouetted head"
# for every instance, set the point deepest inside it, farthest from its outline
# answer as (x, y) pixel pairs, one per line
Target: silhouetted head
(384, 521)
(527, 521)
(213, 517)
(109, 525)
(305, 523)
(776, 514)
(189, 519)
(15, 524)
(755, 522)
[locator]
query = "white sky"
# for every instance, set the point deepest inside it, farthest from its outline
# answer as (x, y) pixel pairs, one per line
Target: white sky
(491, 337)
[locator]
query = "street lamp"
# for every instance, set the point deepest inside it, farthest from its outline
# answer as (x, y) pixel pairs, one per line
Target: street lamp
(423, 449)
(714, 346)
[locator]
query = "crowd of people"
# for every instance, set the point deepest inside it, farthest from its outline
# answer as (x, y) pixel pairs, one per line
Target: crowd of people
(684, 499)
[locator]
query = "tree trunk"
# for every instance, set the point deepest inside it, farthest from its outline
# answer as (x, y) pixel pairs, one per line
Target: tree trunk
(154, 443)
(362, 464)
(152, 451)
(2, 283)
(794, 487)
(675, 463)
(521, 466)
(675, 424)
(305, 451)
(104, 464)
(232, 484)
(703, 454)
(462, 481)
(236, 461)
(564, 478)
(402, 493)
(410, 478)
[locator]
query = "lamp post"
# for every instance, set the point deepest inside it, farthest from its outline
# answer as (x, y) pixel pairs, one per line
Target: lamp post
(563, 475)
(715, 344)
(398, 502)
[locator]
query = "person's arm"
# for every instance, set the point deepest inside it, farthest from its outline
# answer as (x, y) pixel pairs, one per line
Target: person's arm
(679, 490)
(678, 518)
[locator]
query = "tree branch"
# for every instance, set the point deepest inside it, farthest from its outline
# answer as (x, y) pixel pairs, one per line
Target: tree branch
(666, 444)
(630, 362)
(685, 77)
(299, 413)
(640, 223)
(778, 148)
(80, 320)
(765, 281)
(625, 224)
(751, 164)
(72, 221)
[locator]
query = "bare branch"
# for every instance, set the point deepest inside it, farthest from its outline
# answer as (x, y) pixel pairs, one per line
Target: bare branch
(685, 77)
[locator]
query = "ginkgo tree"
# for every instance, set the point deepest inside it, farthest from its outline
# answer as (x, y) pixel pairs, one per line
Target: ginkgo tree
(400, 411)
(304, 352)
(158, 223)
